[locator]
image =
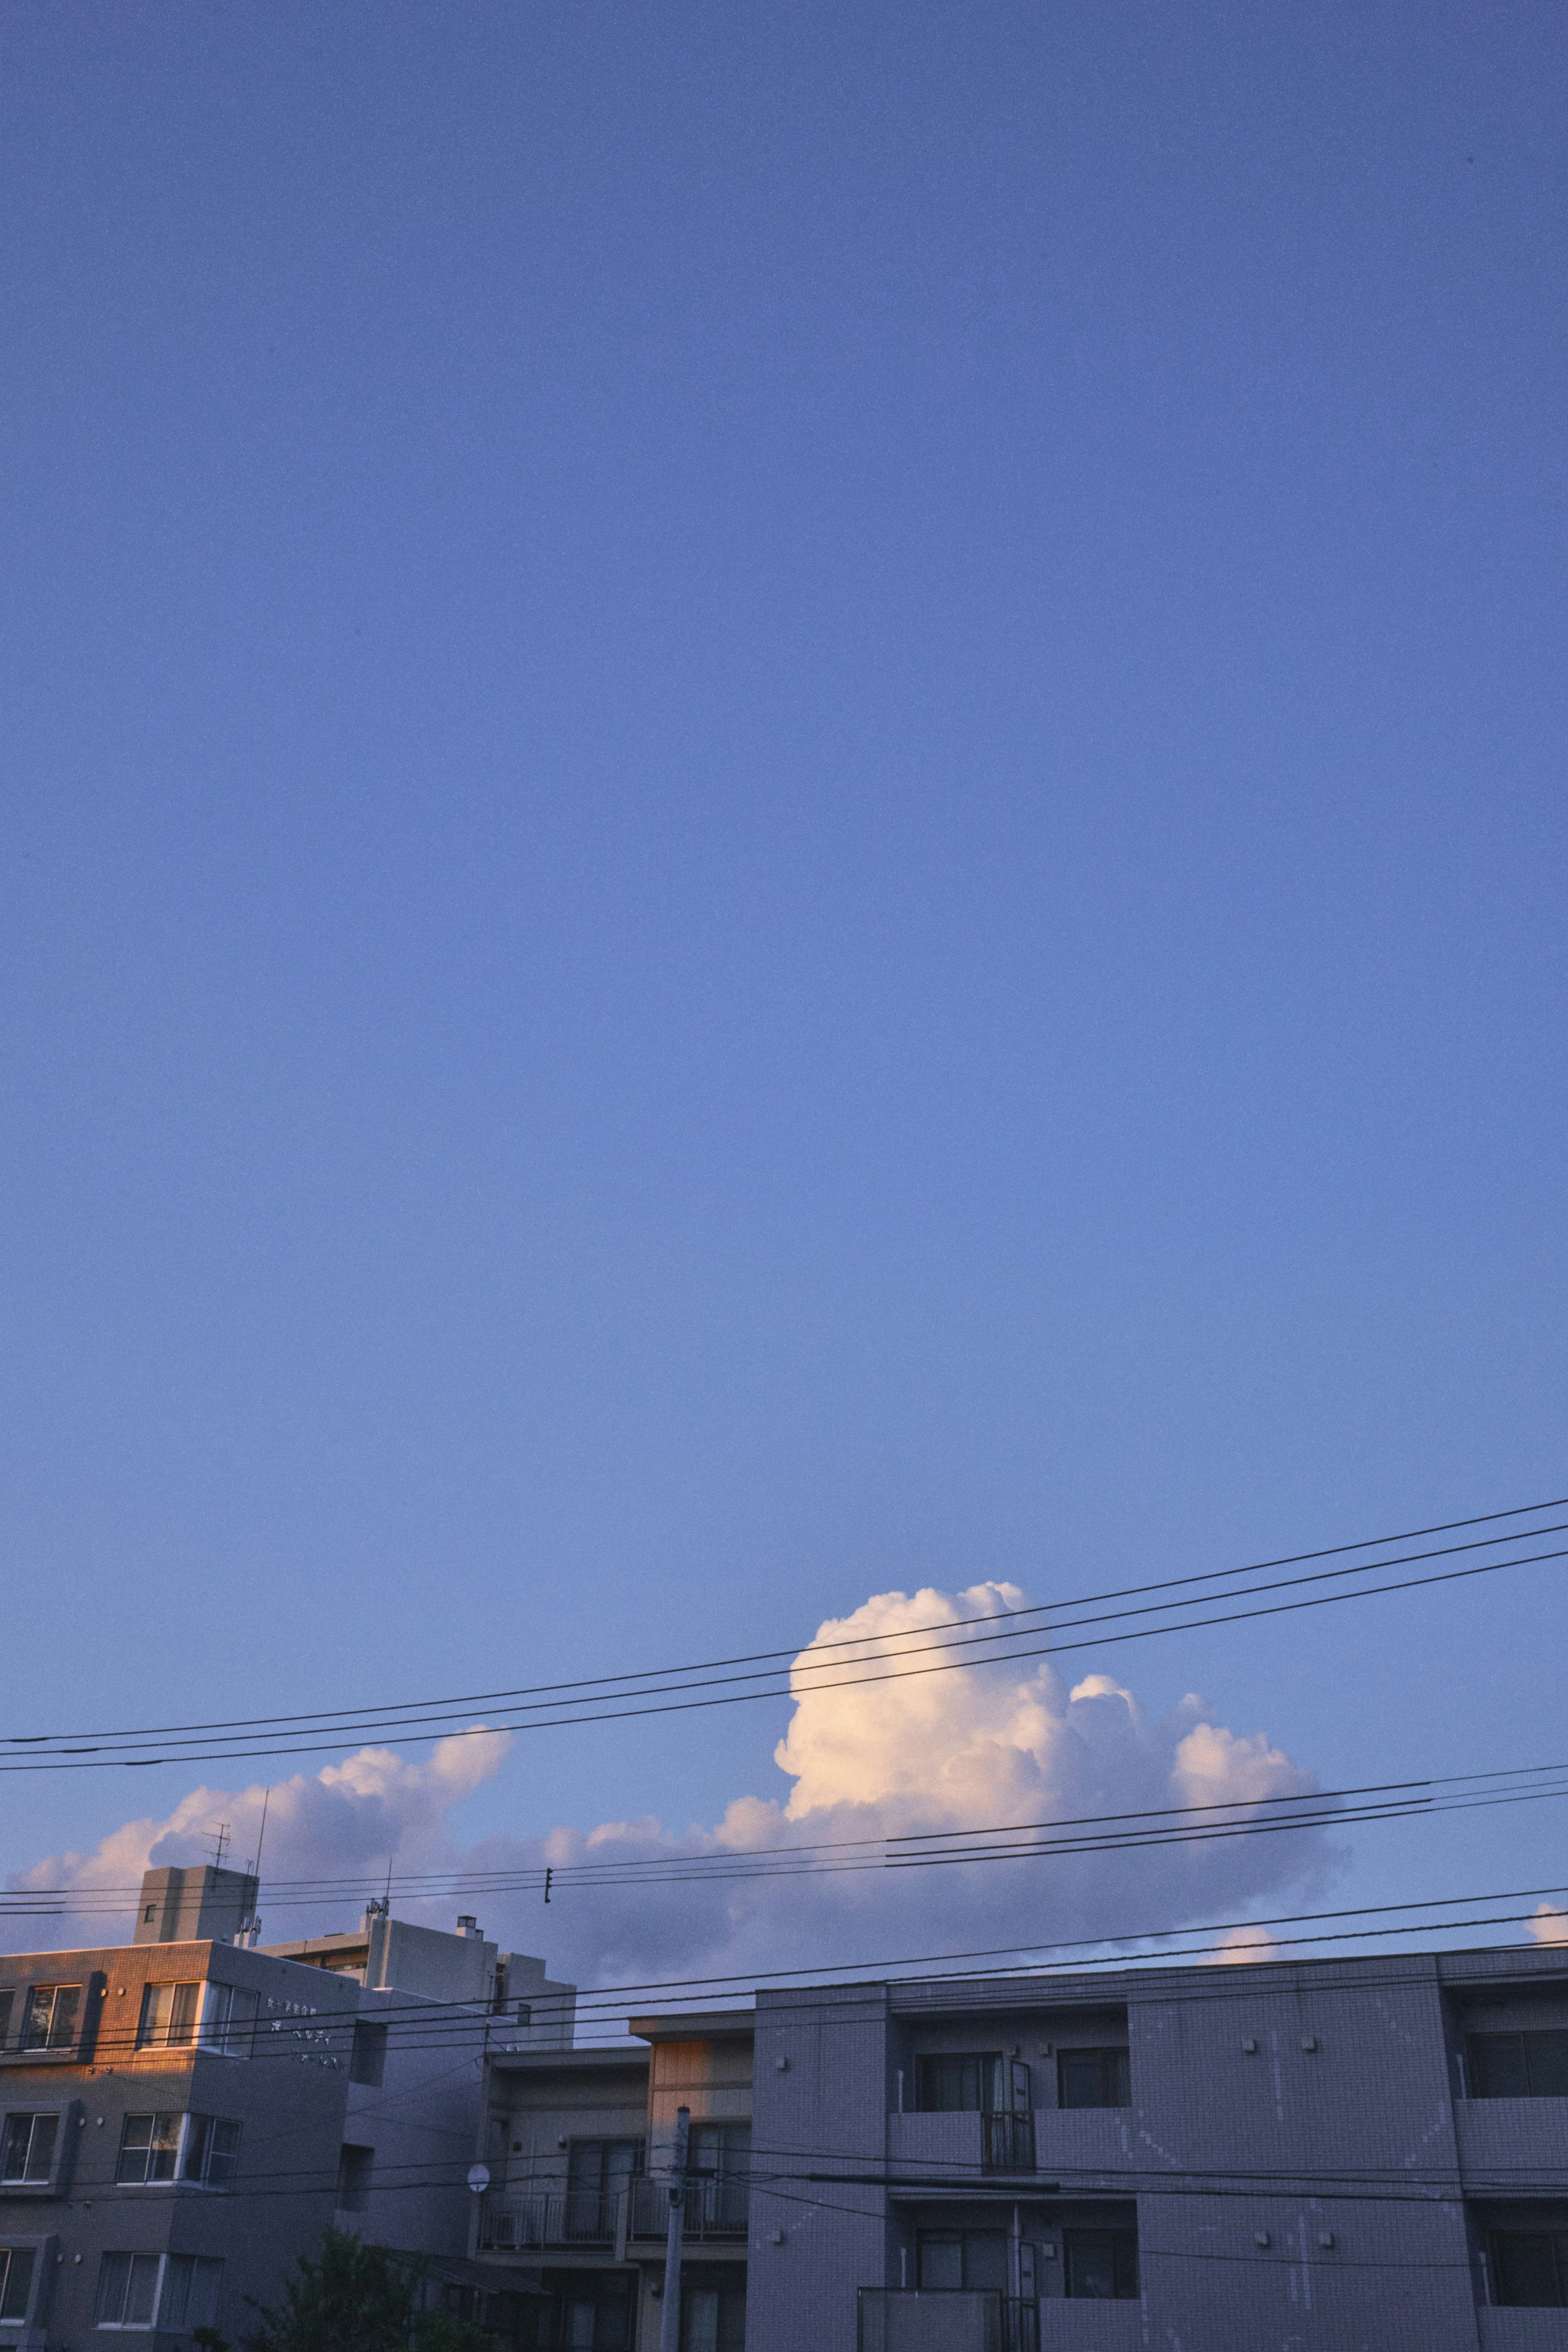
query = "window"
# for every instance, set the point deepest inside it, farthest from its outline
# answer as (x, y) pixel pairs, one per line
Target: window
(1101, 2262)
(7, 1995)
(212, 2150)
(712, 2312)
(16, 2280)
(719, 2154)
(1517, 2065)
(51, 2022)
(229, 2020)
(150, 1913)
(368, 2062)
(169, 2014)
(596, 2172)
(149, 2149)
(355, 2166)
(969, 2082)
(127, 2290)
(971, 2259)
(191, 2282)
(202, 2148)
(1093, 2078)
(28, 2152)
(1530, 2266)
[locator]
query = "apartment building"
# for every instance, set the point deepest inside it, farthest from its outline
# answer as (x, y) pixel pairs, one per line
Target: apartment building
(181, 2116)
(569, 2238)
(1320, 2156)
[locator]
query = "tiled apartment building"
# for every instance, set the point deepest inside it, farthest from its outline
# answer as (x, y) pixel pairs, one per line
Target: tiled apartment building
(569, 2239)
(1319, 2157)
(181, 2116)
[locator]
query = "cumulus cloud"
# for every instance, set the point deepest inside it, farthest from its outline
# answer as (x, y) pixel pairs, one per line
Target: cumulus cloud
(1244, 1944)
(864, 1759)
(1549, 1926)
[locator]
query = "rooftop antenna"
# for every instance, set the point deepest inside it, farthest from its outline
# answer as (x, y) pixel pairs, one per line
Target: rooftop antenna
(221, 1834)
(251, 1928)
(260, 1838)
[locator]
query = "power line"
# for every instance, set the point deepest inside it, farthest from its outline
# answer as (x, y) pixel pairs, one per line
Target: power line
(70, 1760)
(398, 1719)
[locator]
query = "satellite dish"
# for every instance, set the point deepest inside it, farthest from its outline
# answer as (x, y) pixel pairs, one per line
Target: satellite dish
(478, 2179)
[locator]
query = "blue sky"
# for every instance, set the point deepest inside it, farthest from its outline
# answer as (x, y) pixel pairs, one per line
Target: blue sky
(784, 815)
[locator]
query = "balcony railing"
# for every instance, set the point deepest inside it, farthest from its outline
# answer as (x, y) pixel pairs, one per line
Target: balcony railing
(714, 2209)
(1008, 2144)
(946, 2319)
(572, 2217)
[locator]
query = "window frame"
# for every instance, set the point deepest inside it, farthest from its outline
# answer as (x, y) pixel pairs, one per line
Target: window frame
(42, 2251)
(1115, 2065)
(1525, 2037)
(993, 2099)
(161, 2319)
(153, 2037)
(1556, 2240)
(64, 2113)
(219, 2031)
(1124, 2261)
(54, 2044)
(961, 2235)
(179, 2176)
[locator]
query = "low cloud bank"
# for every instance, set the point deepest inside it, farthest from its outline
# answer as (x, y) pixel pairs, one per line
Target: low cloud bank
(989, 1745)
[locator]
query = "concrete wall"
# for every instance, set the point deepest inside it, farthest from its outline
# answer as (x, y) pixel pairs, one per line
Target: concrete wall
(288, 2097)
(1302, 2173)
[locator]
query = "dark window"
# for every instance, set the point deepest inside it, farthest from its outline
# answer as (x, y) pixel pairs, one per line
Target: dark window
(720, 2156)
(712, 2312)
(1101, 2262)
(127, 2290)
(596, 2172)
(968, 2082)
(1517, 2065)
(212, 2151)
(191, 2284)
(368, 2063)
(1530, 2266)
(578, 2309)
(51, 2017)
(29, 2148)
(149, 2149)
(355, 2166)
(7, 1997)
(971, 2259)
(1093, 2078)
(16, 2280)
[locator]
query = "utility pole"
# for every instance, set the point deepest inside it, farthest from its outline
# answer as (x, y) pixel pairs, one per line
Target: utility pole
(669, 2318)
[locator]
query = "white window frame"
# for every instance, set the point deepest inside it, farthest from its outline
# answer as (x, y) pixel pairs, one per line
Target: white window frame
(56, 1985)
(50, 2185)
(186, 2118)
(149, 2326)
(221, 2034)
(43, 2252)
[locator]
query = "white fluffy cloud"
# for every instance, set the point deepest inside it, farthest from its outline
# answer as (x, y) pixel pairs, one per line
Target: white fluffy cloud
(1003, 1743)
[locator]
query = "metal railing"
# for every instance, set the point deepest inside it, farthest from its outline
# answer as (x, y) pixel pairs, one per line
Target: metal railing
(946, 2319)
(570, 2217)
(1008, 2144)
(714, 2209)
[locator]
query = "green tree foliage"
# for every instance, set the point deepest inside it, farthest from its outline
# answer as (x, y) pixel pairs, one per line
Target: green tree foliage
(356, 2298)
(436, 2331)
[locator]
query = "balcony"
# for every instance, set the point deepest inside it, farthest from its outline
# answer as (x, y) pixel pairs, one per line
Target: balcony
(572, 2217)
(715, 2210)
(946, 2319)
